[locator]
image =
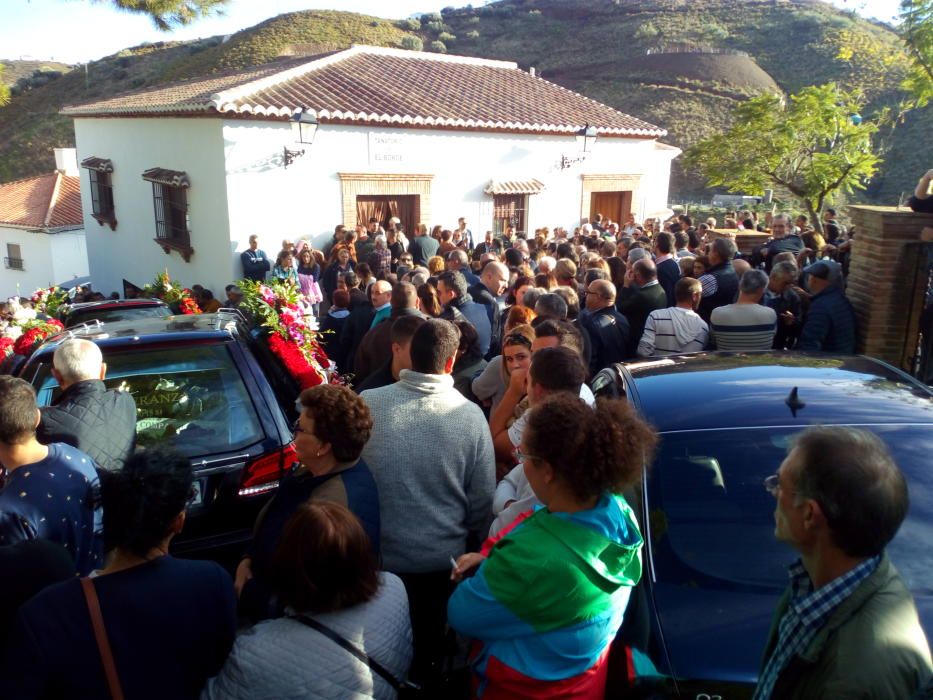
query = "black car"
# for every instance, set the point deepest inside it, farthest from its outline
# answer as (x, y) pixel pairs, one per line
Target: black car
(713, 569)
(112, 310)
(208, 386)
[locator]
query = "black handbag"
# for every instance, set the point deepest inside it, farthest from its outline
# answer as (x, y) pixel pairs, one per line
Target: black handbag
(405, 689)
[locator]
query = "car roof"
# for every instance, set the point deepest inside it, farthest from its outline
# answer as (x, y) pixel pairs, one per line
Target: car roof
(115, 304)
(143, 331)
(746, 390)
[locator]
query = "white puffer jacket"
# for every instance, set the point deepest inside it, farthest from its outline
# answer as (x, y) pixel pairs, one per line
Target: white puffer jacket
(285, 659)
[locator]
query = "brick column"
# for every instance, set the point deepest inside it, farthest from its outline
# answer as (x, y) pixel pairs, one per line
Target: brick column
(888, 280)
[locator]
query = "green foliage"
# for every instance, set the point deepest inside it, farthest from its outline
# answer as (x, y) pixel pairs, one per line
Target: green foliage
(647, 31)
(432, 17)
(917, 32)
(808, 146)
(436, 27)
(446, 37)
(472, 34)
(412, 43)
(412, 25)
(438, 47)
(4, 90)
(170, 14)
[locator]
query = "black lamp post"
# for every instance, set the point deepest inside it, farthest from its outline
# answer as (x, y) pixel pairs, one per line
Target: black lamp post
(304, 125)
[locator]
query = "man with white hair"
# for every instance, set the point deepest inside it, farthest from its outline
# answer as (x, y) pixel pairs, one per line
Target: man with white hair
(784, 239)
(99, 422)
(546, 264)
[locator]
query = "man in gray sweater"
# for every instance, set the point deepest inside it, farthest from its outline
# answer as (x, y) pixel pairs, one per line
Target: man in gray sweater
(432, 457)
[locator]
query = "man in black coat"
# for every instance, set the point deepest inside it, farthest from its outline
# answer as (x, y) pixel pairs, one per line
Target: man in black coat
(609, 330)
(99, 422)
(666, 264)
(641, 295)
(255, 261)
(493, 280)
(375, 349)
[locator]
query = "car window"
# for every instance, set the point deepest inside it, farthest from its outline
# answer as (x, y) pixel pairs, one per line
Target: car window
(712, 521)
(191, 397)
(111, 315)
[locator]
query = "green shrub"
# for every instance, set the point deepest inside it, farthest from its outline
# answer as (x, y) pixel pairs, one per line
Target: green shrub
(432, 17)
(412, 43)
(412, 25)
(646, 31)
(472, 34)
(446, 37)
(438, 47)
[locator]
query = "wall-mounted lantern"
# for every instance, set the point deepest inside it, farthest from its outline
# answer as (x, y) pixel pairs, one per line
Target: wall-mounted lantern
(586, 139)
(304, 126)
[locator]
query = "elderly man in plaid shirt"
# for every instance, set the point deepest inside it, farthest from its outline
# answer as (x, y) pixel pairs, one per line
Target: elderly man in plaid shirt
(847, 627)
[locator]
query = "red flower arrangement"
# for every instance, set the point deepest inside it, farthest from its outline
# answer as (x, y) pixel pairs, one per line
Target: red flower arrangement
(6, 346)
(172, 293)
(291, 339)
(34, 334)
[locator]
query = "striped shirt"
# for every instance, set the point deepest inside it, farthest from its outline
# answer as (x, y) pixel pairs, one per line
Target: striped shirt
(673, 330)
(741, 327)
(807, 612)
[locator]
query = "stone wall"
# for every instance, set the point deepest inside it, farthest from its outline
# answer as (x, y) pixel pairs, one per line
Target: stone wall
(887, 281)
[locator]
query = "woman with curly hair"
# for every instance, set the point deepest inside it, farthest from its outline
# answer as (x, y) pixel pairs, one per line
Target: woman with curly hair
(580, 554)
(436, 265)
(330, 434)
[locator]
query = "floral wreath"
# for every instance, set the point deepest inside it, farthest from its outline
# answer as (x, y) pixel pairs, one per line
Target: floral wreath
(172, 293)
(275, 306)
(49, 300)
(23, 331)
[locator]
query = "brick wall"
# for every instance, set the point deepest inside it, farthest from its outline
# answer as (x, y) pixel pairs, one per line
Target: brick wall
(887, 281)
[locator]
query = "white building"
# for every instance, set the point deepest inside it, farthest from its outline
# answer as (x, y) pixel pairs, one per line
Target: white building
(184, 174)
(42, 229)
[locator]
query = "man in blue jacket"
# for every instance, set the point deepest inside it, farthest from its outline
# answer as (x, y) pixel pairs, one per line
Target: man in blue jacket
(830, 322)
(255, 261)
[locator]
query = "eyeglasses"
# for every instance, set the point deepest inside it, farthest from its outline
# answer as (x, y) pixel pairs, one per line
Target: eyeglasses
(523, 456)
(772, 485)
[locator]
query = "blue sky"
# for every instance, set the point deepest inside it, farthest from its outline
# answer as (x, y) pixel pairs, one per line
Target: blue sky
(74, 31)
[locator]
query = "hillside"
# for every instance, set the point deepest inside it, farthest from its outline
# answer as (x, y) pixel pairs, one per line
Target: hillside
(682, 64)
(14, 69)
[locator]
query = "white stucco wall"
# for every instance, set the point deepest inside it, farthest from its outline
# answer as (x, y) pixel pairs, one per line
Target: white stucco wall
(305, 200)
(240, 187)
(135, 145)
(48, 258)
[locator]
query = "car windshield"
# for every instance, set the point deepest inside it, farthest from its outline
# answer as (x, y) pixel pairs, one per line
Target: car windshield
(116, 314)
(192, 397)
(712, 521)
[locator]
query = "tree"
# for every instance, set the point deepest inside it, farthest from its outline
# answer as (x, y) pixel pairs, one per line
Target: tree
(812, 146)
(169, 14)
(412, 43)
(4, 89)
(917, 31)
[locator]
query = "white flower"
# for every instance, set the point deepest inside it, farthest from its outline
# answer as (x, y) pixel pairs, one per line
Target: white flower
(22, 315)
(12, 332)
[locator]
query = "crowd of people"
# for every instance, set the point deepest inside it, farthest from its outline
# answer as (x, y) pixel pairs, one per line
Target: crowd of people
(465, 485)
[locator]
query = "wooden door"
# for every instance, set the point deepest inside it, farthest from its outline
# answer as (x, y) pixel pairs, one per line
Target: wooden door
(612, 205)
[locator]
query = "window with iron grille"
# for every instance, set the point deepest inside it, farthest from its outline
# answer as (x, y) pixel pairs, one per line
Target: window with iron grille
(102, 209)
(101, 196)
(14, 257)
(509, 210)
(171, 214)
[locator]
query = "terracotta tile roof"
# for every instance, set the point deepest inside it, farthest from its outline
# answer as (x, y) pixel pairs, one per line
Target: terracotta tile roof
(45, 202)
(514, 187)
(373, 85)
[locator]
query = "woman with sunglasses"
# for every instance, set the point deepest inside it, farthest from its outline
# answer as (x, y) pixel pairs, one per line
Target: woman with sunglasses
(550, 591)
(334, 426)
(168, 624)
